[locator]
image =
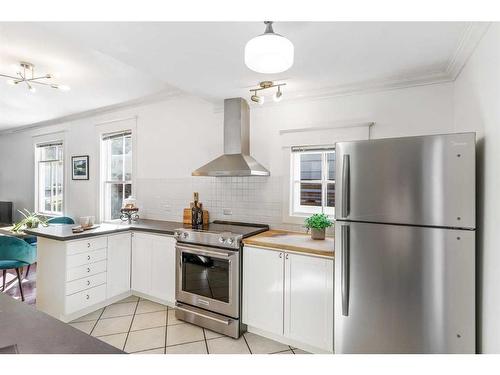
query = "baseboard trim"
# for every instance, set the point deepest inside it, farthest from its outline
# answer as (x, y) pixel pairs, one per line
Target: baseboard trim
(287, 341)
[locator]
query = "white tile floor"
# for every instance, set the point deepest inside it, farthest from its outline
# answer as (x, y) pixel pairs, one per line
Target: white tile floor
(137, 325)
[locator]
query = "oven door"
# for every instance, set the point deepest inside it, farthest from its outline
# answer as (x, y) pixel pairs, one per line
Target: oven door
(208, 278)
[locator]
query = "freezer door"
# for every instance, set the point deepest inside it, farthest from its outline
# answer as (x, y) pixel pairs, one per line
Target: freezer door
(403, 289)
(426, 180)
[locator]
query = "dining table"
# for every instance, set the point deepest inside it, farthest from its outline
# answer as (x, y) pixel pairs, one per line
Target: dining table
(7, 231)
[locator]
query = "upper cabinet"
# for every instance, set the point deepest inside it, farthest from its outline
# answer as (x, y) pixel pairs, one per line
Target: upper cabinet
(289, 295)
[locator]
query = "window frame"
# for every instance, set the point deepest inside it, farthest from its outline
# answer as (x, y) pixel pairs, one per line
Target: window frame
(106, 183)
(39, 208)
(296, 210)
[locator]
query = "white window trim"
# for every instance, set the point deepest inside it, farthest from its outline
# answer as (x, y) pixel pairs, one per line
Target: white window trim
(289, 216)
(305, 211)
(49, 138)
(114, 126)
(316, 133)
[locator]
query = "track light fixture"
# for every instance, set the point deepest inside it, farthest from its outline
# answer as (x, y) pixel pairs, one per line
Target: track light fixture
(264, 85)
(27, 76)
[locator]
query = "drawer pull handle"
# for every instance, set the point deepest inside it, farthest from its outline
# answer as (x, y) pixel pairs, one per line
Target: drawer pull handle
(88, 269)
(88, 257)
(88, 282)
(88, 244)
(87, 296)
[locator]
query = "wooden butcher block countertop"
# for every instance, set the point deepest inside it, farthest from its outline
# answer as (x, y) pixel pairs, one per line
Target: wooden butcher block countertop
(293, 241)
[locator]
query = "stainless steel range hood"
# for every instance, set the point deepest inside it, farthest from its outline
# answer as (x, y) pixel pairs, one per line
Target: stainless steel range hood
(236, 160)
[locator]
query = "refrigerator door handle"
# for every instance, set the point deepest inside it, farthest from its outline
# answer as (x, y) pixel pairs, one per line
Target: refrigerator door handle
(344, 270)
(345, 185)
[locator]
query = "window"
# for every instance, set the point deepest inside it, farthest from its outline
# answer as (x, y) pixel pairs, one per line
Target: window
(313, 180)
(116, 151)
(49, 177)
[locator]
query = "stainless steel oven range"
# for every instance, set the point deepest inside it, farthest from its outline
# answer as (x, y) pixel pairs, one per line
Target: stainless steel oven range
(208, 275)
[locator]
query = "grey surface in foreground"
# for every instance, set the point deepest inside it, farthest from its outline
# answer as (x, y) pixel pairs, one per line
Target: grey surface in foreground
(35, 332)
(63, 232)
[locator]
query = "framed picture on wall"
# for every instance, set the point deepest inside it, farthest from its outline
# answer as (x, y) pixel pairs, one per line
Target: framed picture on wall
(80, 167)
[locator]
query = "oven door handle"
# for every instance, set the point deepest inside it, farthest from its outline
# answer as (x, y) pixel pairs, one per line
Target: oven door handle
(196, 251)
(226, 322)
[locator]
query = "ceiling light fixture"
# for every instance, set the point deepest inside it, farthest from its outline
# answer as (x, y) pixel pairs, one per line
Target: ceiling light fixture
(264, 85)
(269, 53)
(278, 95)
(24, 76)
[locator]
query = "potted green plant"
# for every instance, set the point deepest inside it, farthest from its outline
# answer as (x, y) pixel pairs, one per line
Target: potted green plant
(31, 220)
(317, 224)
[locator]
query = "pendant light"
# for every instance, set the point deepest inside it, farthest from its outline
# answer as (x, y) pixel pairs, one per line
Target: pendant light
(269, 53)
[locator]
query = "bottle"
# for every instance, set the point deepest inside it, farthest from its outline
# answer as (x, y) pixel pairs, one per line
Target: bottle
(196, 213)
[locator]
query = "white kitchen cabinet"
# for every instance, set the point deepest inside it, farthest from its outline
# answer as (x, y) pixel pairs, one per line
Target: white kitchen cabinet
(153, 266)
(263, 282)
(163, 268)
(72, 276)
(98, 271)
(141, 262)
(118, 271)
(308, 313)
(289, 297)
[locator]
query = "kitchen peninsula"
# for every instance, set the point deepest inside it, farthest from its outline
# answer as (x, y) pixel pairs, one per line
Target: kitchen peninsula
(78, 273)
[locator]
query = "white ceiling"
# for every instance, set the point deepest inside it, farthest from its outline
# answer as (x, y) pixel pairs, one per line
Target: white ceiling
(110, 63)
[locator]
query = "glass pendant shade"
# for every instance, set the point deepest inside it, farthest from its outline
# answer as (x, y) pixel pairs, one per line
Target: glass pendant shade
(269, 53)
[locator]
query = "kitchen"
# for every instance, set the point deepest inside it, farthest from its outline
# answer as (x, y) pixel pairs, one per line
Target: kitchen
(255, 154)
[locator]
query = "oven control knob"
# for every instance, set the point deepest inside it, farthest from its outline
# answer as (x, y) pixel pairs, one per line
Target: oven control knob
(185, 234)
(177, 234)
(221, 239)
(230, 241)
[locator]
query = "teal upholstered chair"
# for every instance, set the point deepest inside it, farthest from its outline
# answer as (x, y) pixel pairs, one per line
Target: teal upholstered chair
(15, 254)
(61, 220)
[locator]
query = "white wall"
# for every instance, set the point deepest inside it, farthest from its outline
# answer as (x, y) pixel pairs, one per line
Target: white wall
(412, 111)
(172, 136)
(477, 106)
(178, 135)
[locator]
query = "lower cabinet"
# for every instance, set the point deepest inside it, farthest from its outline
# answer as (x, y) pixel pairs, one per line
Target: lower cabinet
(263, 283)
(289, 295)
(309, 300)
(94, 272)
(153, 266)
(118, 273)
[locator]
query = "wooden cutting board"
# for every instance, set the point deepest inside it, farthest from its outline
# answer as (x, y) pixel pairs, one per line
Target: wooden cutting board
(186, 218)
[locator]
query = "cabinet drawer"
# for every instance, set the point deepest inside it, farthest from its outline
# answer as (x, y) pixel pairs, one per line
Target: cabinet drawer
(85, 298)
(88, 244)
(85, 283)
(85, 270)
(85, 258)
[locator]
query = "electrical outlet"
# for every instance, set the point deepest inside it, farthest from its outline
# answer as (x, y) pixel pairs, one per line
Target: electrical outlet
(227, 211)
(167, 207)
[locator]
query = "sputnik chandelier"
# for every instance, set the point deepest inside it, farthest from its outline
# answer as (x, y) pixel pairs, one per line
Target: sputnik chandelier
(27, 76)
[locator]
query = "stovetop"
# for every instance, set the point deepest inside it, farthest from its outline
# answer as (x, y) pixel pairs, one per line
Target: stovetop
(219, 233)
(219, 226)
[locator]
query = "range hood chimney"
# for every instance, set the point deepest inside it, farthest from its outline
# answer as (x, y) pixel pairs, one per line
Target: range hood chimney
(236, 160)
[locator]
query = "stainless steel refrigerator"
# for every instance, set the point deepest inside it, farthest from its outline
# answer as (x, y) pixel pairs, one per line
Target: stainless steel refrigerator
(405, 245)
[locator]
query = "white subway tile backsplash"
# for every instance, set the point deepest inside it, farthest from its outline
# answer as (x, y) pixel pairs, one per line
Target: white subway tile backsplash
(250, 199)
